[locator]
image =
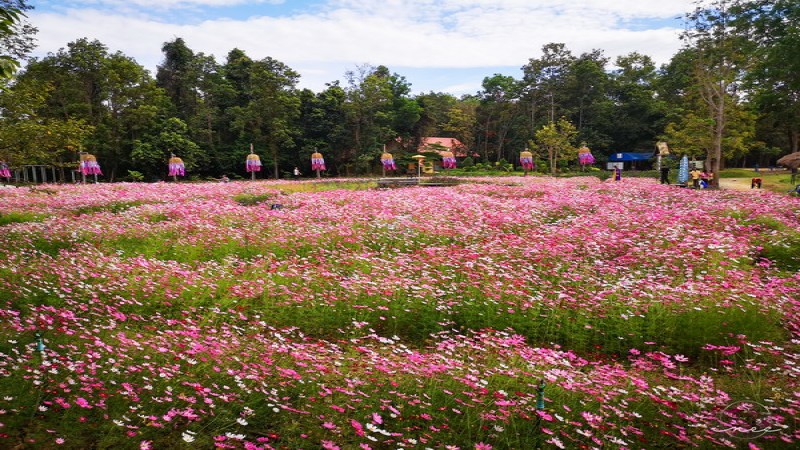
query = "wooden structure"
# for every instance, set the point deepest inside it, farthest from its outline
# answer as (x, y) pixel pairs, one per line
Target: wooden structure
(36, 174)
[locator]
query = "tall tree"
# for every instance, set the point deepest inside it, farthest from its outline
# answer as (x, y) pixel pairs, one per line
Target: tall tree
(772, 27)
(557, 140)
(434, 113)
(638, 114)
(133, 106)
(270, 118)
(587, 83)
(717, 69)
(544, 80)
(462, 120)
(178, 75)
(378, 110)
(152, 152)
(498, 112)
(27, 136)
(323, 125)
(110, 92)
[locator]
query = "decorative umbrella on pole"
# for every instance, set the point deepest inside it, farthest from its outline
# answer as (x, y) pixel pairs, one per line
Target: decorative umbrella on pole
(4, 172)
(585, 157)
(89, 166)
(683, 170)
(253, 163)
(419, 159)
(387, 161)
(526, 159)
(448, 160)
(317, 162)
(176, 167)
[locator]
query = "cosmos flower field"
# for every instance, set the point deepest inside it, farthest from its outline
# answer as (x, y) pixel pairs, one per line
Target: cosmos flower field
(501, 313)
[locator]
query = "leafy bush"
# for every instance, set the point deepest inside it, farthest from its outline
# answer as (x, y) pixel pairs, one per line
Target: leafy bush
(135, 175)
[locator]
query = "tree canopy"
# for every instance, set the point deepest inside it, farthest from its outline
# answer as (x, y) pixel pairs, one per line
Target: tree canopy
(730, 95)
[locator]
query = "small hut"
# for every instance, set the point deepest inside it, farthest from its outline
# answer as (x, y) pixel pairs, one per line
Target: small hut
(792, 162)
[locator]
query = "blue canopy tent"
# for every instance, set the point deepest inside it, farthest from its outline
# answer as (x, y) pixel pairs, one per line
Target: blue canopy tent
(632, 160)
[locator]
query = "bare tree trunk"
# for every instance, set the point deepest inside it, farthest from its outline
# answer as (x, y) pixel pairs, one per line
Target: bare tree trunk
(716, 102)
(486, 139)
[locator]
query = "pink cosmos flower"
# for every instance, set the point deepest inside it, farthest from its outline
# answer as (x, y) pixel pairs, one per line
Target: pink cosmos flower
(330, 445)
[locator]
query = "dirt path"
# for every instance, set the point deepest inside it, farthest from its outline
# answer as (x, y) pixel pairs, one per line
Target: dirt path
(736, 184)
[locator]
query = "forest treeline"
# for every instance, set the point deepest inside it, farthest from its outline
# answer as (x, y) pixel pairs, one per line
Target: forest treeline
(731, 95)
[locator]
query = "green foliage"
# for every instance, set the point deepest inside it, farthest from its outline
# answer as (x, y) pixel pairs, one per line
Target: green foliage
(254, 199)
(28, 135)
(135, 175)
(18, 217)
(10, 20)
(557, 141)
(153, 152)
(113, 207)
(107, 104)
(498, 166)
(783, 250)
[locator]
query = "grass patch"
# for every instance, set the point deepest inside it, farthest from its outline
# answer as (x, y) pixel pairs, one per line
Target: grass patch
(19, 217)
(114, 207)
(255, 199)
(783, 250)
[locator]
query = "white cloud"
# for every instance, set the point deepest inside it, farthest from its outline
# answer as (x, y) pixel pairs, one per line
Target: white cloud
(164, 4)
(324, 42)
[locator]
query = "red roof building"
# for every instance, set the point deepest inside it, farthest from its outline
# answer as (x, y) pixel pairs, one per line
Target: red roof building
(443, 144)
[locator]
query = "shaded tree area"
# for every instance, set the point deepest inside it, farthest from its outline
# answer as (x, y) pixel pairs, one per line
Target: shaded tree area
(729, 96)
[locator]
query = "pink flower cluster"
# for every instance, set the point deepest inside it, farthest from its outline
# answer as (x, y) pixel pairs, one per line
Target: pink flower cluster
(166, 313)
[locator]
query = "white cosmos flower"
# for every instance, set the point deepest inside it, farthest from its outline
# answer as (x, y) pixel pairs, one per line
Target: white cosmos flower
(188, 436)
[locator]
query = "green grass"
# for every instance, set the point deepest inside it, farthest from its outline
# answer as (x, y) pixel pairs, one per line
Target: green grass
(775, 181)
(19, 217)
(783, 250)
(113, 207)
(255, 199)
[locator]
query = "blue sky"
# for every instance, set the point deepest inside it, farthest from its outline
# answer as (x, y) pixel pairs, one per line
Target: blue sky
(438, 45)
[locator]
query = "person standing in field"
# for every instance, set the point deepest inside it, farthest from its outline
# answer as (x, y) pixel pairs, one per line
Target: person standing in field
(695, 176)
(664, 174)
